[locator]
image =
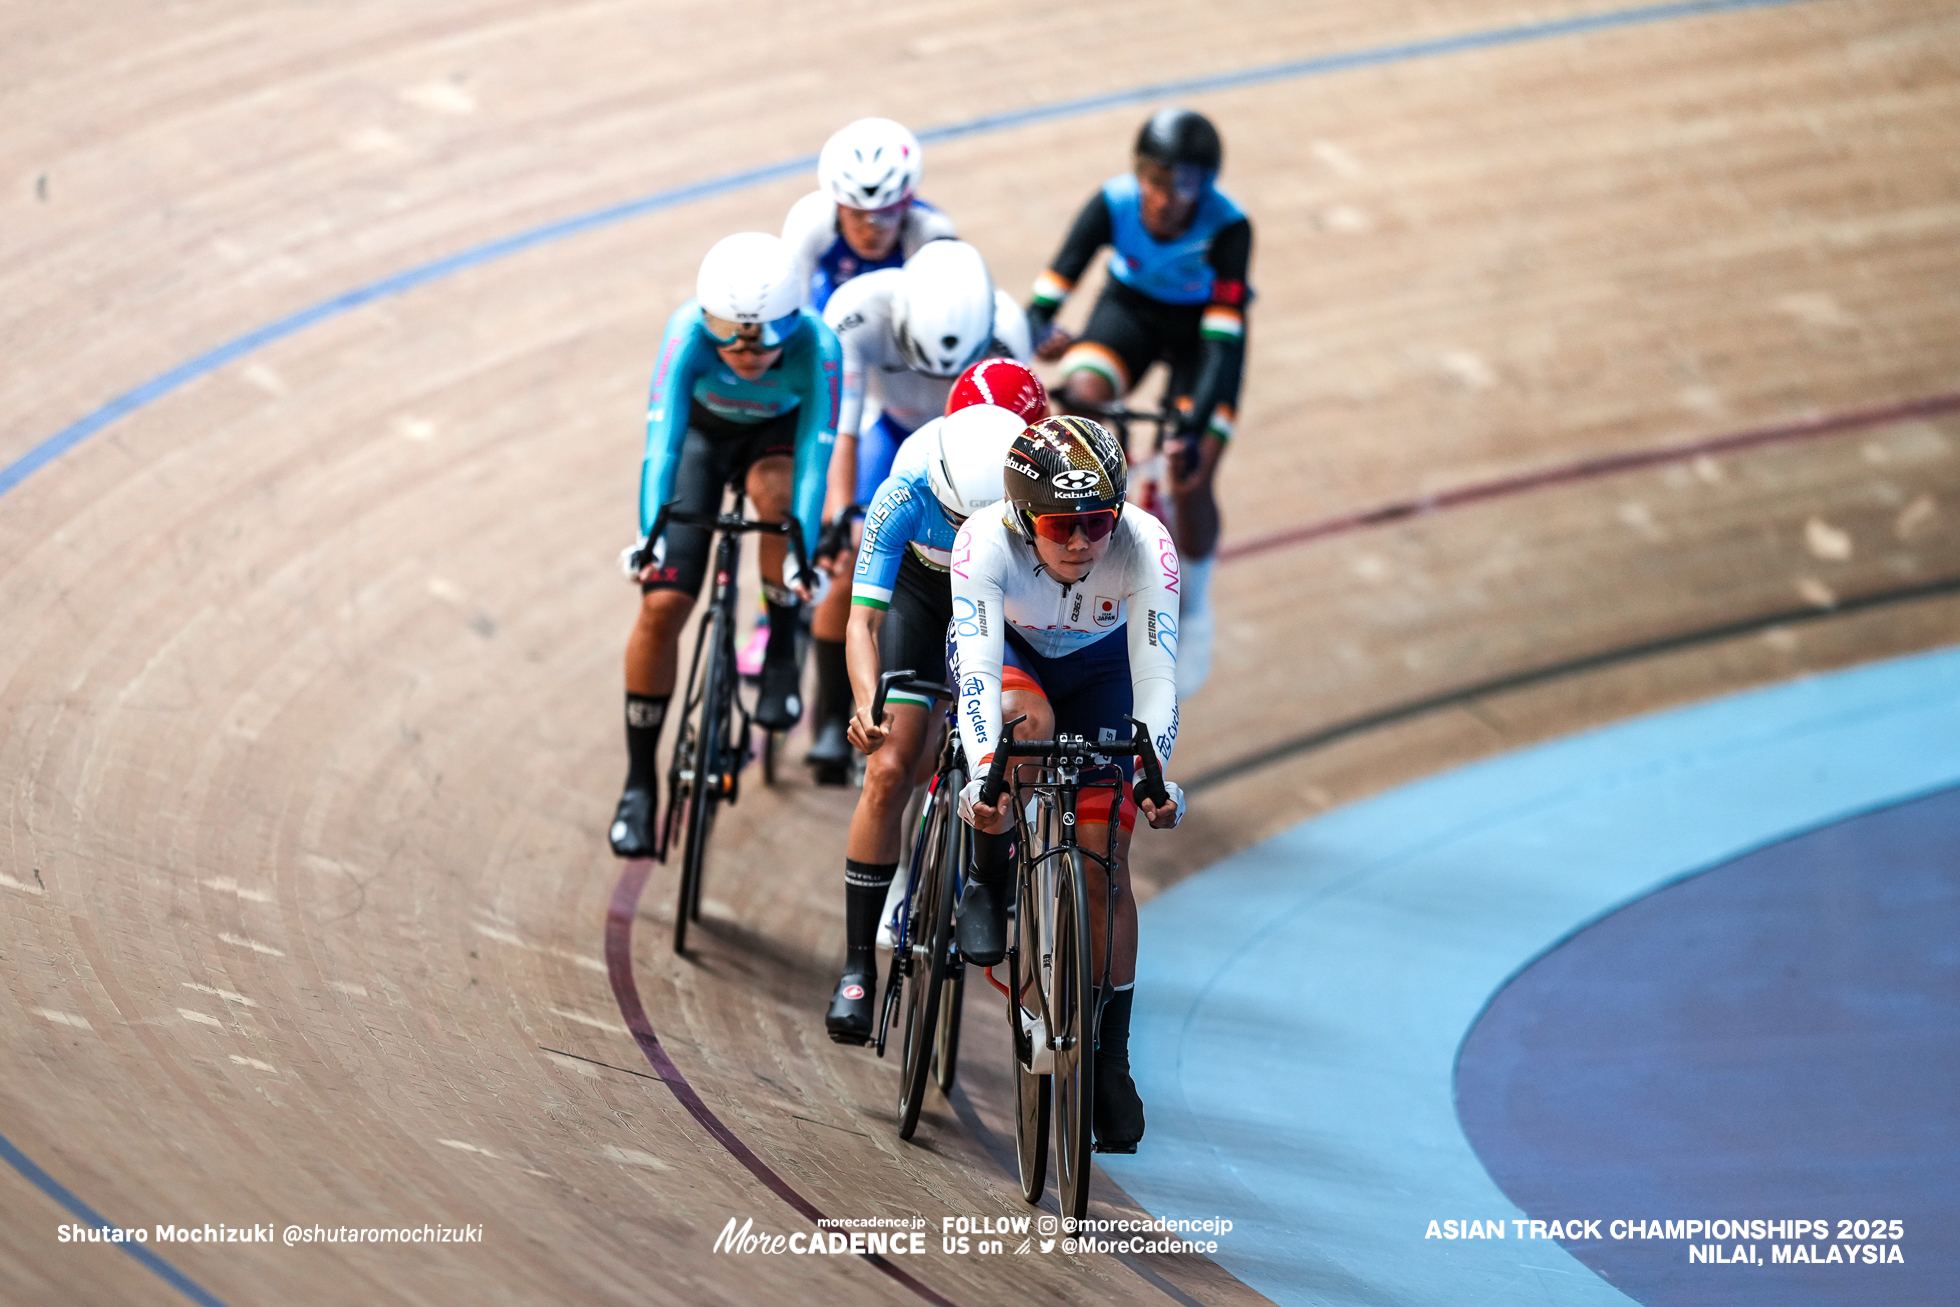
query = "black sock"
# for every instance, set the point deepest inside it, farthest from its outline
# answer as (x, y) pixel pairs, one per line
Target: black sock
(1113, 1036)
(833, 681)
(993, 857)
(782, 631)
(645, 714)
(865, 887)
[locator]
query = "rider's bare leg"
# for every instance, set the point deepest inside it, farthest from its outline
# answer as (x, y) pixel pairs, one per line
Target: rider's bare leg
(1123, 968)
(875, 835)
(1084, 387)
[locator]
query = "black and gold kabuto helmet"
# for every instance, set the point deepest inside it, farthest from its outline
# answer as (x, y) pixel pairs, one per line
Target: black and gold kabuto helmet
(1065, 474)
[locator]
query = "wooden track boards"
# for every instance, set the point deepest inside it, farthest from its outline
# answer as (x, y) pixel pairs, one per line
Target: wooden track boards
(310, 681)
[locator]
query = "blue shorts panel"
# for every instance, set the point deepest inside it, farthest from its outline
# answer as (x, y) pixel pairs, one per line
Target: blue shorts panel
(1089, 689)
(877, 447)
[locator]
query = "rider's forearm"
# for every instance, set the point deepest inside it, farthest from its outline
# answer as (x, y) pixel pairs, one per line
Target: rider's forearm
(1220, 359)
(843, 475)
(861, 651)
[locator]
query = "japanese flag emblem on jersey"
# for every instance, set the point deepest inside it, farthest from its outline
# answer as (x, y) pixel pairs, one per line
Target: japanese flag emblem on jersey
(1105, 612)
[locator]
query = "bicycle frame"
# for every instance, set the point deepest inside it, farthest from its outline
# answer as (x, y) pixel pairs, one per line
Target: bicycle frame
(1056, 797)
(710, 753)
(952, 761)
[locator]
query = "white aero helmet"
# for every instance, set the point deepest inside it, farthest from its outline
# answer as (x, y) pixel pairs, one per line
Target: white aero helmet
(748, 288)
(872, 164)
(968, 454)
(943, 313)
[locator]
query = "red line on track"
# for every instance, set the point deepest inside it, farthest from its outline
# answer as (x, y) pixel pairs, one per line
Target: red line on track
(634, 873)
(619, 969)
(1586, 469)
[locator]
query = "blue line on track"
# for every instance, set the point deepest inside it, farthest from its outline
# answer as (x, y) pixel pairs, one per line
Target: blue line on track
(399, 283)
(1320, 65)
(56, 1190)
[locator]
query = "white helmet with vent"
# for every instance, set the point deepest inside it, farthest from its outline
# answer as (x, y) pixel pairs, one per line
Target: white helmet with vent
(943, 313)
(872, 164)
(968, 455)
(748, 287)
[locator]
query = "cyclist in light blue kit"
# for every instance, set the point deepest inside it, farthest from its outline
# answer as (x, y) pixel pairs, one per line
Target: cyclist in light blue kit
(900, 604)
(747, 384)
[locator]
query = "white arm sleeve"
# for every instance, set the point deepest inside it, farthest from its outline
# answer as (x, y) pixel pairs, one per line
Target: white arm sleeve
(1011, 327)
(1152, 621)
(858, 313)
(979, 629)
(808, 231)
(923, 226)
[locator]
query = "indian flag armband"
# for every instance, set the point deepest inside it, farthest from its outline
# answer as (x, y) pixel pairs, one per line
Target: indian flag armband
(1221, 322)
(1051, 289)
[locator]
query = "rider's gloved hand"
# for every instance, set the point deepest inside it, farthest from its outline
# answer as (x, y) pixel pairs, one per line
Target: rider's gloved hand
(1171, 813)
(636, 557)
(994, 820)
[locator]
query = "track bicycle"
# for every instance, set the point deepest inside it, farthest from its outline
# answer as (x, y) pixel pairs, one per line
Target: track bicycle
(1051, 989)
(710, 748)
(926, 980)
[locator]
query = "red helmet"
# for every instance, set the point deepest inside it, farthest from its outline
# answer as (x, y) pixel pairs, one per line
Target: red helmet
(1004, 383)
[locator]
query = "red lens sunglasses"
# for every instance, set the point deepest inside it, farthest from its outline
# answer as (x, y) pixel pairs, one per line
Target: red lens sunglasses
(1061, 527)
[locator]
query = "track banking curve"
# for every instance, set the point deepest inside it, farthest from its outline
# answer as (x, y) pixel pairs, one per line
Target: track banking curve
(168, 382)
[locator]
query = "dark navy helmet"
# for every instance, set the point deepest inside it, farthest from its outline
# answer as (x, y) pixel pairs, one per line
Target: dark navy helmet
(1181, 138)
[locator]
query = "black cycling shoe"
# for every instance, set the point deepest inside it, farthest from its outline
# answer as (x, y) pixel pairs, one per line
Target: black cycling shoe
(981, 926)
(1118, 1109)
(831, 754)
(779, 706)
(849, 1018)
(632, 824)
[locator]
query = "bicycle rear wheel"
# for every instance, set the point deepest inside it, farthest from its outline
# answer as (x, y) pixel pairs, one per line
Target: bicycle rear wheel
(1069, 1001)
(929, 940)
(946, 1049)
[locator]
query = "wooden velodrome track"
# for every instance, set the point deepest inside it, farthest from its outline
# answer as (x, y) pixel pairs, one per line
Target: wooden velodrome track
(309, 677)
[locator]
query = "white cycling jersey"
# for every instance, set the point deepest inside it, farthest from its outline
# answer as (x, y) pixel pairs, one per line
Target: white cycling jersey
(861, 315)
(998, 582)
(810, 231)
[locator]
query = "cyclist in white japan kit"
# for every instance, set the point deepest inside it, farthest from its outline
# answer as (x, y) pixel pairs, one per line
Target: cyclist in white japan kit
(1065, 608)
(906, 333)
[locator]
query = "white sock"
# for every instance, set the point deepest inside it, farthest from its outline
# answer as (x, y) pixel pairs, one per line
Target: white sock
(1194, 625)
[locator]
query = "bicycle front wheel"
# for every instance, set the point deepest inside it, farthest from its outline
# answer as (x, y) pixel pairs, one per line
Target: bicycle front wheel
(929, 939)
(1070, 1001)
(1031, 1089)
(952, 994)
(703, 792)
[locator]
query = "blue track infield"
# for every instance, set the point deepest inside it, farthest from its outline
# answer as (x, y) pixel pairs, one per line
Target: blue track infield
(1300, 1007)
(1777, 1039)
